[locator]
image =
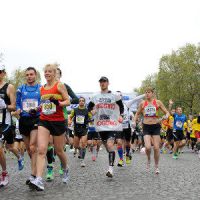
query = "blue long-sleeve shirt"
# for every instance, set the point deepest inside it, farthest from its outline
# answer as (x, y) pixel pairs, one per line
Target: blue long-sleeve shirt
(28, 97)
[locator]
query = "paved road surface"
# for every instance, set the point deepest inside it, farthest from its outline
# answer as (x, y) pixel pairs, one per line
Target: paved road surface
(179, 179)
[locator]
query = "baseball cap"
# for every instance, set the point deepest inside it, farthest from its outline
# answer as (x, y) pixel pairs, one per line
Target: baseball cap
(103, 78)
(2, 67)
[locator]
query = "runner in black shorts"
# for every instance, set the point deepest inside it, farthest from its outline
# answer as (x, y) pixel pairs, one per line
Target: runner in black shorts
(7, 104)
(108, 108)
(178, 129)
(27, 103)
(54, 98)
(80, 117)
(151, 127)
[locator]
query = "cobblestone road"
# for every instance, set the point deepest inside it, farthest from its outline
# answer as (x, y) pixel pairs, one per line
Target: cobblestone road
(179, 179)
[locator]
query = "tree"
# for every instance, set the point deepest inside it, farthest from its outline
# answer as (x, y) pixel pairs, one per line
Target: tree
(18, 77)
(178, 78)
(149, 81)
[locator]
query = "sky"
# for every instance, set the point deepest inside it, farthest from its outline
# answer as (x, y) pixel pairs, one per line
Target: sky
(122, 40)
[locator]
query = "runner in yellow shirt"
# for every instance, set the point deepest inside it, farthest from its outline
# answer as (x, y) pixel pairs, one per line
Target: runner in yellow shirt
(196, 132)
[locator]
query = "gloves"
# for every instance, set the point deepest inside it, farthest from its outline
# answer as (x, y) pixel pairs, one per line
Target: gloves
(2, 104)
(55, 101)
(32, 112)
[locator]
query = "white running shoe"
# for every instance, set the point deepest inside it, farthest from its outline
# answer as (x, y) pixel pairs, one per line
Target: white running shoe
(72, 150)
(4, 179)
(65, 178)
(157, 171)
(110, 172)
(82, 163)
(37, 184)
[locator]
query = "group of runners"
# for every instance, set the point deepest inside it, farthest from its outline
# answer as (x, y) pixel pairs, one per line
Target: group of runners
(35, 115)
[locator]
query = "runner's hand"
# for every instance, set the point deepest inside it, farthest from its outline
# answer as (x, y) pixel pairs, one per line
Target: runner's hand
(171, 102)
(32, 112)
(93, 112)
(69, 122)
(120, 119)
(55, 101)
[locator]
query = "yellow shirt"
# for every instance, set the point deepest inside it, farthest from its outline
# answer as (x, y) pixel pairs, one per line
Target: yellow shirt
(189, 126)
(171, 122)
(185, 127)
(195, 127)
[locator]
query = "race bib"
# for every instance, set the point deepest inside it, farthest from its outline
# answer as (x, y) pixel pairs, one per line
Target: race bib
(48, 108)
(28, 104)
(125, 122)
(150, 111)
(80, 119)
(179, 124)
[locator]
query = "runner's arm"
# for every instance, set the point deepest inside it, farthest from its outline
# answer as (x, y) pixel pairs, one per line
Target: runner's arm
(121, 106)
(74, 98)
(90, 106)
(71, 116)
(12, 96)
(18, 100)
(65, 96)
(139, 111)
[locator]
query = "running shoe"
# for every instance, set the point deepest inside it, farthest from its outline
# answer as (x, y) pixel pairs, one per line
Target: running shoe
(21, 164)
(4, 179)
(110, 172)
(82, 163)
(128, 160)
(61, 172)
(31, 178)
(50, 175)
(93, 158)
(71, 150)
(37, 184)
(175, 156)
(65, 177)
(148, 167)
(120, 163)
(157, 171)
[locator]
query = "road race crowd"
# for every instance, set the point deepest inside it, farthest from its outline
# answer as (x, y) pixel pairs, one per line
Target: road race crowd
(34, 119)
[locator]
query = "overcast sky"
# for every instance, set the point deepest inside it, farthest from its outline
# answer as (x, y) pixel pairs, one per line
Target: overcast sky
(122, 40)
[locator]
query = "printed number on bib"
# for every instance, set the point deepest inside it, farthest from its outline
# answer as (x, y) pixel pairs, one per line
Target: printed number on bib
(179, 124)
(48, 108)
(150, 111)
(29, 104)
(80, 119)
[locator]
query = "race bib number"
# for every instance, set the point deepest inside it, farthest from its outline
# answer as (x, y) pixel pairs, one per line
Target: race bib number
(48, 108)
(29, 104)
(179, 124)
(150, 111)
(80, 119)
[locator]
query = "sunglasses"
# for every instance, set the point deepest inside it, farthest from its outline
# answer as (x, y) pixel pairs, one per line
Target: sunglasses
(1, 71)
